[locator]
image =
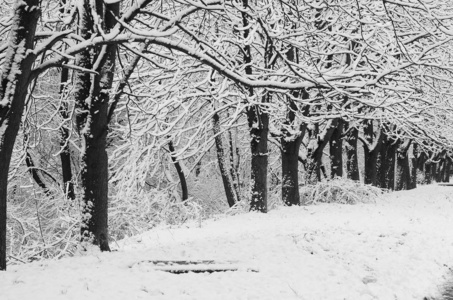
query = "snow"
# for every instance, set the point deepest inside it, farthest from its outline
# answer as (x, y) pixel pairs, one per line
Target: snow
(398, 248)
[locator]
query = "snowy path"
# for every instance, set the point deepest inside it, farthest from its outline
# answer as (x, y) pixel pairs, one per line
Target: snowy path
(399, 248)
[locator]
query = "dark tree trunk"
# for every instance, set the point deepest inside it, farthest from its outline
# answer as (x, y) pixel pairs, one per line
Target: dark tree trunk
(434, 171)
(258, 122)
(371, 160)
(290, 169)
(65, 154)
(182, 177)
(441, 165)
(386, 172)
(92, 122)
(403, 177)
(290, 141)
(448, 162)
(259, 128)
(372, 146)
(421, 160)
(440, 170)
(34, 173)
(16, 68)
(352, 165)
(336, 151)
(65, 158)
(290, 145)
(414, 167)
(234, 166)
(428, 173)
(315, 150)
(222, 160)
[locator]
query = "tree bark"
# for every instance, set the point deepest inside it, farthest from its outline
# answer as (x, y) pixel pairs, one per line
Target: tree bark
(258, 122)
(65, 158)
(428, 174)
(413, 167)
(336, 151)
(315, 150)
(182, 177)
(386, 171)
(65, 153)
(402, 181)
(434, 166)
(290, 171)
(440, 169)
(421, 159)
(15, 74)
(92, 103)
(372, 145)
(222, 160)
(352, 164)
(34, 174)
(234, 166)
(290, 145)
(448, 162)
(259, 128)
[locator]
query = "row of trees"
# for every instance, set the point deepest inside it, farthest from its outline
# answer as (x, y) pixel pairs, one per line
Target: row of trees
(118, 85)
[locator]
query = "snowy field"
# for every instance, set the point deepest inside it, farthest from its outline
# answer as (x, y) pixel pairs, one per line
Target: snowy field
(399, 248)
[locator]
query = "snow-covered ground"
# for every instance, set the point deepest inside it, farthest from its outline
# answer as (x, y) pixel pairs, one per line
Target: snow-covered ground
(399, 248)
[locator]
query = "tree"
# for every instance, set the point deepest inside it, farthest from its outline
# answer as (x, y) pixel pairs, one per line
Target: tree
(92, 103)
(225, 169)
(16, 68)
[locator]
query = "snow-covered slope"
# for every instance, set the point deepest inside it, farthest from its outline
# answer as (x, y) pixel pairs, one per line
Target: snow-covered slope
(399, 248)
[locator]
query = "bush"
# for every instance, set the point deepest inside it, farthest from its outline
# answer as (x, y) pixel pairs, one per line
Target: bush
(144, 210)
(41, 227)
(340, 190)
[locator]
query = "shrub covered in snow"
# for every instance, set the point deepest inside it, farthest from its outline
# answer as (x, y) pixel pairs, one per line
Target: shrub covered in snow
(142, 211)
(340, 191)
(40, 227)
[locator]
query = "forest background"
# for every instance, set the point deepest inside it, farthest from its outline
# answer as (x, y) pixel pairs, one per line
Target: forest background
(118, 115)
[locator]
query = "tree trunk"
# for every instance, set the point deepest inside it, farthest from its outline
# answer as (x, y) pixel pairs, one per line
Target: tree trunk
(428, 173)
(182, 177)
(441, 165)
(447, 169)
(65, 154)
(372, 146)
(402, 181)
(15, 74)
(371, 159)
(336, 151)
(65, 158)
(290, 144)
(315, 150)
(222, 160)
(386, 172)
(259, 129)
(413, 167)
(34, 174)
(234, 166)
(92, 101)
(421, 159)
(352, 165)
(258, 122)
(290, 169)
(433, 171)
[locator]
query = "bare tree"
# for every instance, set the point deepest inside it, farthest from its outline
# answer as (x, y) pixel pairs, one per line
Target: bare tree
(16, 67)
